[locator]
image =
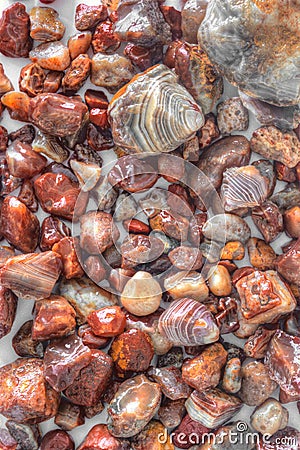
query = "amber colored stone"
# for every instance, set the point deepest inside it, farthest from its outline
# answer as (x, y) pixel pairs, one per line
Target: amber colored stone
(170, 381)
(233, 250)
(107, 322)
(99, 117)
(98, 232)
(90, 384)
(24, 345)
(90, 339)
(60, 196)
(14, 31)
(63, 361)
(133, 406)
(68, 248)
(8, 307)
(24, 393)
(99, 438)
(52, 231)
(31, 79)
(257, 385)
(69, 416)
(204, 371)
(19, 225)
(136, 226)
(76, 74)
(87, 17)
(17, 104)
(53, 81)
(79, 43)
(57, 439)
(261, 254)
(264, 297)
(227, 315)
(283, 363)
(172, 224)
(186, 432)
(53, 318)
(96, 99)
(132, 351)
(22, 161)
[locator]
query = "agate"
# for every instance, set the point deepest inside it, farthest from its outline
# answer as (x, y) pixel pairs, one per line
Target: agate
(256, 46)
(153, 113)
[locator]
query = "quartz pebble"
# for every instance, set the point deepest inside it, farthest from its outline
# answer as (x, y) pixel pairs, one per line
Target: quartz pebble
(45, 24)
(87, 17)
(19, 225)
(283, 146)
(111, 71)
(133, 406)
(257, 385)
(269, 417)
(85, 297)
(79, 43)
(204, 371)
(172, 412)
(51, 56)
(98, 232)
(131, 351)
(232, 116)
(220, 282)
(141, 295)
(187, 284)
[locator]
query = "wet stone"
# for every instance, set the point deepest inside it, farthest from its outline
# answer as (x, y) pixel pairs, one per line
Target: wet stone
(269, 417)
(8, 307)
(69, 416)
(52, 231)
(170, 381)
(23, 343)
(63, 361)
(68, 249)
(87, 17)
(25, 395)
(133, 406)
(51, 56)
(287, 264)
(107, 322)
(22, 161)
(257, 385)
(14, 31)
(57, 439)
(204, 371)
(232, 116)
(147, 438)
(261, 255)
(268, 220)
(27, 196)
(256, 345)
(111, 71)
(132, 351)
(90, 384)
(79, 43)
(99, 437)
(105, 40)
(53, 318)
(172, 412)
(45, 24)
(174, 357)
(98, 232)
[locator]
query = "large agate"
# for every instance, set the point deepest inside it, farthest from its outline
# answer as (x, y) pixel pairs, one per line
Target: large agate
(256, 45)
(187, 322)
(153, 113)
